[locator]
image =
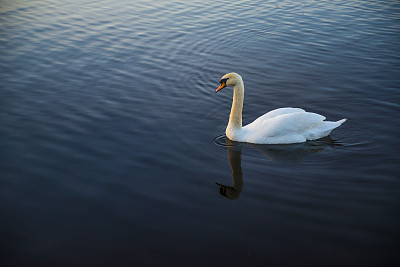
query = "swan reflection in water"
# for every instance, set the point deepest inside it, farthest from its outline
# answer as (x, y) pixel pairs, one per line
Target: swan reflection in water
(293, 153)
(235, 160)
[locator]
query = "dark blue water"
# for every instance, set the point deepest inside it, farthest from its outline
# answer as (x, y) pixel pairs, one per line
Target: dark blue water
(112, 146)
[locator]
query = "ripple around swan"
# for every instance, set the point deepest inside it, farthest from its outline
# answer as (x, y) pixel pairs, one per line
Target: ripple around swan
(287, 153)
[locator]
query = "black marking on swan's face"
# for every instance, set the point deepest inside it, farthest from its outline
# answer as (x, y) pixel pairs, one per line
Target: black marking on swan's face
(222, 84)
(223, 81)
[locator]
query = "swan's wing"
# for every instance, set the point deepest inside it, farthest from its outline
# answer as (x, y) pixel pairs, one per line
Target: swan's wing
(296, 122)
(279, 112)
(290, 127)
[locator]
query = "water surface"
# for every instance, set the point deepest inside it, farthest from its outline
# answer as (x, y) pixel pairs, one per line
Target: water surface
(112, 137)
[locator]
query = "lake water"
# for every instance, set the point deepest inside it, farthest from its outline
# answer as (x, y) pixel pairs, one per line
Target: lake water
(112, 137)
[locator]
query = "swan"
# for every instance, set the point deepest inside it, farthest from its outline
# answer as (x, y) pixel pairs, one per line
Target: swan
(279, 126)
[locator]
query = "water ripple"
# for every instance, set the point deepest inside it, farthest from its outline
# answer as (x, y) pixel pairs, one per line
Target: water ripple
(109, 115)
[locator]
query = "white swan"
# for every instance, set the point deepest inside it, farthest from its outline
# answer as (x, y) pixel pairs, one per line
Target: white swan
(279, 126)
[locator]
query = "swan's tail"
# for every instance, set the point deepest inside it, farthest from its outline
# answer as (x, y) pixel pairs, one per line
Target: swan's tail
(324, 129)
(341, 121)
(329, 126)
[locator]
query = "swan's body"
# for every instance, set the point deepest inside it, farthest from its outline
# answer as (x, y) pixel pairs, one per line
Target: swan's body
(279, 126)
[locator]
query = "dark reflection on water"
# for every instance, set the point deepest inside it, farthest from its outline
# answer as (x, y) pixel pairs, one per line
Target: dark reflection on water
(294, 153)
(108, 114)
(235, 161)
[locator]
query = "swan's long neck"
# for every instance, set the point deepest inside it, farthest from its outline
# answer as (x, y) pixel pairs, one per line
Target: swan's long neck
(235, 118)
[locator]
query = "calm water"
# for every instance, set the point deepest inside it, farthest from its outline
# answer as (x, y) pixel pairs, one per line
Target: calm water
(112, 145)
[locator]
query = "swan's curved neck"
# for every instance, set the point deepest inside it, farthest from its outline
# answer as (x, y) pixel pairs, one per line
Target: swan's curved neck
(235, 118)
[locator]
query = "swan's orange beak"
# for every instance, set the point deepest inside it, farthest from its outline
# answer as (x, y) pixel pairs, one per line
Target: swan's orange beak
(222, 85)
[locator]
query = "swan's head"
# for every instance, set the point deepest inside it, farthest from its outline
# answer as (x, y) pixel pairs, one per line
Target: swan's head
(229, 79)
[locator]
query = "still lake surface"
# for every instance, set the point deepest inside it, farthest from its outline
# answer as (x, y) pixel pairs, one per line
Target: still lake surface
(112, 137)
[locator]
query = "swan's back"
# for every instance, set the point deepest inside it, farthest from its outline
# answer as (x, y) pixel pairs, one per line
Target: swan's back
(278, 112)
